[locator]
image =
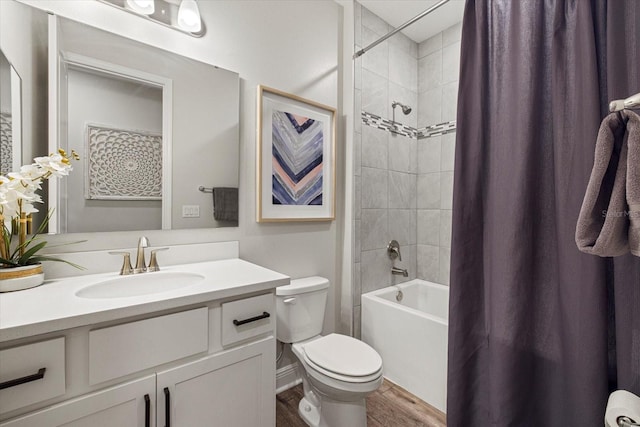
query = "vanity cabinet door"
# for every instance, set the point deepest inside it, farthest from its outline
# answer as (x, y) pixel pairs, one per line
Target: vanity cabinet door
(232, 388)
(128, 405)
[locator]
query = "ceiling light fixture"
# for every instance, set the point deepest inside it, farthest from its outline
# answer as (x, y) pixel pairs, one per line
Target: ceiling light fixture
(189, 16)
(145, 7)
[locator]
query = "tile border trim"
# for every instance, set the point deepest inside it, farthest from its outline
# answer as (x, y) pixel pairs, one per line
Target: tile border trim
(408, 131)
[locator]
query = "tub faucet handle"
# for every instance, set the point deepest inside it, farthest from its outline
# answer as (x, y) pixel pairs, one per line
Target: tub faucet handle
(393, 250)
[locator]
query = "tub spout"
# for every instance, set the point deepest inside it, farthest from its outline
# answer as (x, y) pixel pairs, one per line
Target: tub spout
(400, 271)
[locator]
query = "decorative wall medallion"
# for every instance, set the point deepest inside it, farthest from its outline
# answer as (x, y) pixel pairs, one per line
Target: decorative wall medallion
(6, 147)
(123, 164)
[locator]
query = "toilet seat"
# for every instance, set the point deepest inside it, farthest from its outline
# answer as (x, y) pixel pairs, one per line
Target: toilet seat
(343, 358)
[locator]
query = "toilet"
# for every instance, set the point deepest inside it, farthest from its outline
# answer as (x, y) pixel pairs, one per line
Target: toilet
(338, 371)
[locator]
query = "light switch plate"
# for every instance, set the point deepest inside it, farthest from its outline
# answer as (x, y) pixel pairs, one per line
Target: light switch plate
(190, 211)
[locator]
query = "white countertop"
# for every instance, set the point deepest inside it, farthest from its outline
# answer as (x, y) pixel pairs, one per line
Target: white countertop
(54, 306)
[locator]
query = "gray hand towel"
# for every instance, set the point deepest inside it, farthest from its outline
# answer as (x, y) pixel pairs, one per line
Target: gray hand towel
(602, 227)
(633, 180)
(225, 204)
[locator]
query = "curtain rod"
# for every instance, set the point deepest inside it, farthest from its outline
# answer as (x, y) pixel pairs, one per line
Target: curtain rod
(400, 28)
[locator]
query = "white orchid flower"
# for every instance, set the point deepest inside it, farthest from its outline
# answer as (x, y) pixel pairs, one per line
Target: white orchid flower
(55, 164)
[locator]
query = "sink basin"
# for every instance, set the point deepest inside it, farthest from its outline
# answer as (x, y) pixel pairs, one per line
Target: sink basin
(140, 284)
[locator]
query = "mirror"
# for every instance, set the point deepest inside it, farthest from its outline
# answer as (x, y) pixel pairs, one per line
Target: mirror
(10, 117)
(151, 127)
(202, 127)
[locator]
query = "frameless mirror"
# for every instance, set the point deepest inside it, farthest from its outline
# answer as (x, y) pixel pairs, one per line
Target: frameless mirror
(10, 117)
(151, 127)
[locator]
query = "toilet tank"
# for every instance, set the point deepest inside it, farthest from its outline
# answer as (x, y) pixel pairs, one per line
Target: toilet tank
(300, 308)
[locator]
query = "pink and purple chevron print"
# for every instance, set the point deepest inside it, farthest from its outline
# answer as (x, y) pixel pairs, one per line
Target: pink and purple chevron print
(297, 177)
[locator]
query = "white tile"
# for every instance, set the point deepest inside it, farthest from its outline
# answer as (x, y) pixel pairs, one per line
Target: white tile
(357, 239)
(402, 153)
(357, 322)
(375, 188)
(375, 269)
(445, 228)
(429, 155)
(357, 15)
(430, 45)
(357, 114)
(445, 265)
(356, 288)
(374, 229)
(446, 190)
(449, 101)
(377, 59)
(402, 226)
(430, 107)
(447, 159)
(451, 63)
(402, 190)
(428, 190)
(375, 94)
(428, 262)
(452, 34)
(406, 97)
(403, 43)
(428, 227)
(373, 22)
(430, 71)
(357, 71)
(403, 69)
(357, 152)
(374, 147)
(357, 197)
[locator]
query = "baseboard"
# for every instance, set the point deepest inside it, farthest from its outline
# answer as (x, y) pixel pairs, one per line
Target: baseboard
(287, 377)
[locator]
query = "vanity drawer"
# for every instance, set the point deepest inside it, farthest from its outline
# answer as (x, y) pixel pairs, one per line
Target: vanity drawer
(247, 318)
(124, 349)
(31, 373)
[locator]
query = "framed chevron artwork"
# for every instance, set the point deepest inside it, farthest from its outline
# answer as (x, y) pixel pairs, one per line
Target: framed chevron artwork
(296, 158)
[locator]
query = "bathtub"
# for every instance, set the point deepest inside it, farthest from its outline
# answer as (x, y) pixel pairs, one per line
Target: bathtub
(411, 336)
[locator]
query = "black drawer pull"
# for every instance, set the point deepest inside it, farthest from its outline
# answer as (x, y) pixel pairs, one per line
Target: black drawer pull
(147, 411)
(23, 380)
(264, 315)
(167, 407)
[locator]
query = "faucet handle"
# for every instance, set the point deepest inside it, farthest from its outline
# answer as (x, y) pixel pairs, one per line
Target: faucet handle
(126, 262)
(393, 250)
(153, 262)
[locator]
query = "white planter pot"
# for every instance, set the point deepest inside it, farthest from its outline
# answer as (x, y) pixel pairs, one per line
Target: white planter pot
(19, 278)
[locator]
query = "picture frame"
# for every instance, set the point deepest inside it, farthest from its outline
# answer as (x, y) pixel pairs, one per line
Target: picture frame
(296, 165)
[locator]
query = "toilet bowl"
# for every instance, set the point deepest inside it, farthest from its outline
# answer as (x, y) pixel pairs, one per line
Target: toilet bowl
(338, 371)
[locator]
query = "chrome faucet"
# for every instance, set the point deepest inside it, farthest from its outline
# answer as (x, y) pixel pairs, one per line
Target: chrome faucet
(400, 271)
(141, 265)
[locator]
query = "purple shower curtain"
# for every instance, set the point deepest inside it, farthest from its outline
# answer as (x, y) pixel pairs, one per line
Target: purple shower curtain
(539, 333)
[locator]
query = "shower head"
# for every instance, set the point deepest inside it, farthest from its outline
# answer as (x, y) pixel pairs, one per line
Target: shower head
(405, 108)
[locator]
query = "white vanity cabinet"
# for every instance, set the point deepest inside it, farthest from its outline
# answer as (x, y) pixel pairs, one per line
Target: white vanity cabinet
(233, 388)
(209, 365)
(126, 405)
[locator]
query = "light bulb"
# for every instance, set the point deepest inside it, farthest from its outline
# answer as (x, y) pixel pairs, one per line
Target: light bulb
(145, 7)
(189, 16)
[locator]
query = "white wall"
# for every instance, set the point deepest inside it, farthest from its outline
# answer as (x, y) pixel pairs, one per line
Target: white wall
(294, 46)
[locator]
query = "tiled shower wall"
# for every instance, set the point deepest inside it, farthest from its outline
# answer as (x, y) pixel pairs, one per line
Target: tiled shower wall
(402, 185)
(438, 71)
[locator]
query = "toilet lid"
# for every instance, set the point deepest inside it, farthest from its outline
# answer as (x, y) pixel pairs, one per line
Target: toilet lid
(343, 355)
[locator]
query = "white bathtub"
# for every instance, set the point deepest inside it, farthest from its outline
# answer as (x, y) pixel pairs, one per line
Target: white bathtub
(411, 336)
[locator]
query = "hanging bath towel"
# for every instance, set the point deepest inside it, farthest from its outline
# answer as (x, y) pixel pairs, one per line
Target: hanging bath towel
(633, 181)
(603, 227)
